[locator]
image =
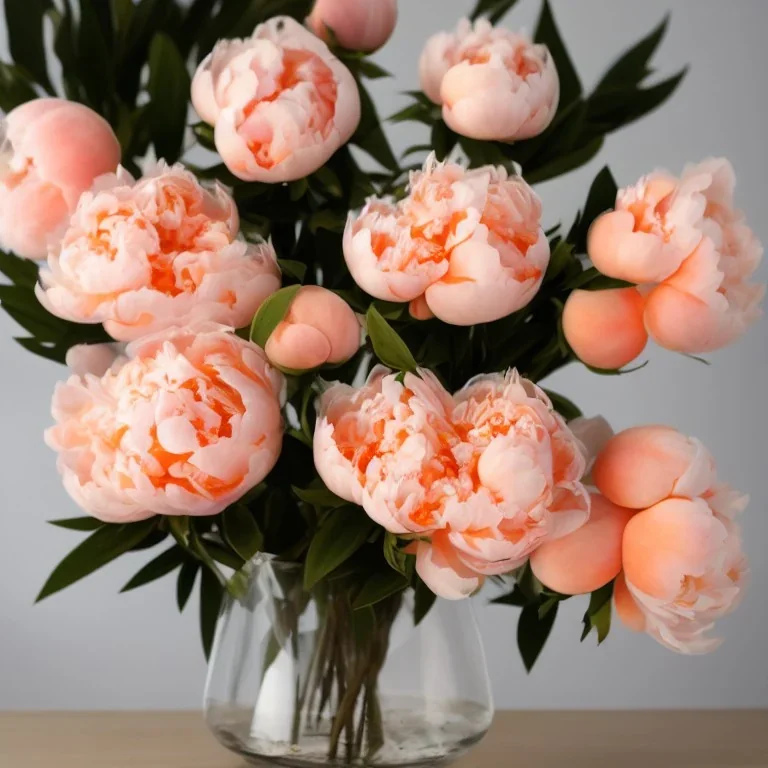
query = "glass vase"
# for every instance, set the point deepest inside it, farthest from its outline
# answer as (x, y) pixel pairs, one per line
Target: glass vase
(299, 678)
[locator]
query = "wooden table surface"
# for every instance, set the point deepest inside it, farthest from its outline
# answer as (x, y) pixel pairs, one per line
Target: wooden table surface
(517, 740)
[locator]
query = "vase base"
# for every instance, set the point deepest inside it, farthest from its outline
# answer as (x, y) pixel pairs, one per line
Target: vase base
(409, 741)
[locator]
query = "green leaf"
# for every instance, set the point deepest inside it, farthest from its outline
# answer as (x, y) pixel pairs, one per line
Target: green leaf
(99, 549)
(416, 113)
(211, 596)
(22, 272)
(379, 587)
(271, 314)
(593, 280)
(161, 566)
(363, 626)
(319, 497)
(343, 533)
(598, 615)
(533, 632)
(548, 34)
(78, 523)
(562, 257)
(601, 198)
(370, 69)
(169, 85)
(633, 67)
(94, 56)
(242, 532)
(204, 135)
(297, 189)
(15, 87)
(567, 163)
(516, 598)
(370, 136)
(494, 9)
(395, 556)
(565, 407)
(443, 140)
(24, 24)
(388, 346)
(423, 600)
(186, 582)
(295, 269)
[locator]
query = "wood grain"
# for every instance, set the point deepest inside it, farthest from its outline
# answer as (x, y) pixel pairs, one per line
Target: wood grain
(733, 739)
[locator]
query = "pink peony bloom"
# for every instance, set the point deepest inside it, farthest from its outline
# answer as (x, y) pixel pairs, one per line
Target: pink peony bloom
(681, 553)
(185, 426)
(465, 246)
(281, 102)
(482, 478)
(319, 328)
(359, 25)
(587, 317)
(142, 256)
(683, 240)
(51, 150)
(492, 83)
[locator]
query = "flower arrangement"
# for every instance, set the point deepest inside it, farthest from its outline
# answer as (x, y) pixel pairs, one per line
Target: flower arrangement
(279, 350)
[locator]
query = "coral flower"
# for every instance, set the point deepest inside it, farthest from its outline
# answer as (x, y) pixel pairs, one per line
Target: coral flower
(280, 102)
(692, 250)
(359, 25)
(185, 426)
(492, 83)
(141, 256)
(465, 246)
(51, 151)
(482, 478)
(319, 328)
(683, 565)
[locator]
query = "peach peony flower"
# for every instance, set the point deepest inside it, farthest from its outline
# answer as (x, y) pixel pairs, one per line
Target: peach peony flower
(683, 569)
(492, 83)
(141, 256)
(588, 558)
(482, 478)
(605, 328)
(682, 558)
(466, 246)
(683, 240)
(281, 102)
(51, 150)
(359, 25)
(319, 328)
(187, 425)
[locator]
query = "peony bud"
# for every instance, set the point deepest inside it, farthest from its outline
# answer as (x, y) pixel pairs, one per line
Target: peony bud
(319, 328)
(605, 328)
(359, 25)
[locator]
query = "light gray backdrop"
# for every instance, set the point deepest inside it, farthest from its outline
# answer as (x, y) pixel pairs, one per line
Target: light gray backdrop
(92, 648)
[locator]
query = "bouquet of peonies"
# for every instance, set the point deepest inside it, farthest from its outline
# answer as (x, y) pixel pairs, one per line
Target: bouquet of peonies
(300, 344)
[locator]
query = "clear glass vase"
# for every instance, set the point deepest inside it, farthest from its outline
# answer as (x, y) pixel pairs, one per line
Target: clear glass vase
(302, 679)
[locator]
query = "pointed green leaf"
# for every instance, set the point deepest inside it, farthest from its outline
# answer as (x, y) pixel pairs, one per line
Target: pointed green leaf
(548, 34)
(565, 407)
(515, 598)
(423, 600)
(533, 632)
(566, 164)
(271, 314)
(295, 269)
(370, 136)
(387, 344)
(78, 523)
(601, 198)
(22, 272)
(242, 531)
(598, 615)
(494, 9)
(211, 596)
(99, 549)
(169, 85)
(155, 569)
(343, 533)
(15, 87)
(186, 582)
(379, 587)
(633, 67)
(319, 497)
(24, 24)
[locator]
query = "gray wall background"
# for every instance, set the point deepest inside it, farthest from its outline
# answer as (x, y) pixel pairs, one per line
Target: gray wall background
(92, 648)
